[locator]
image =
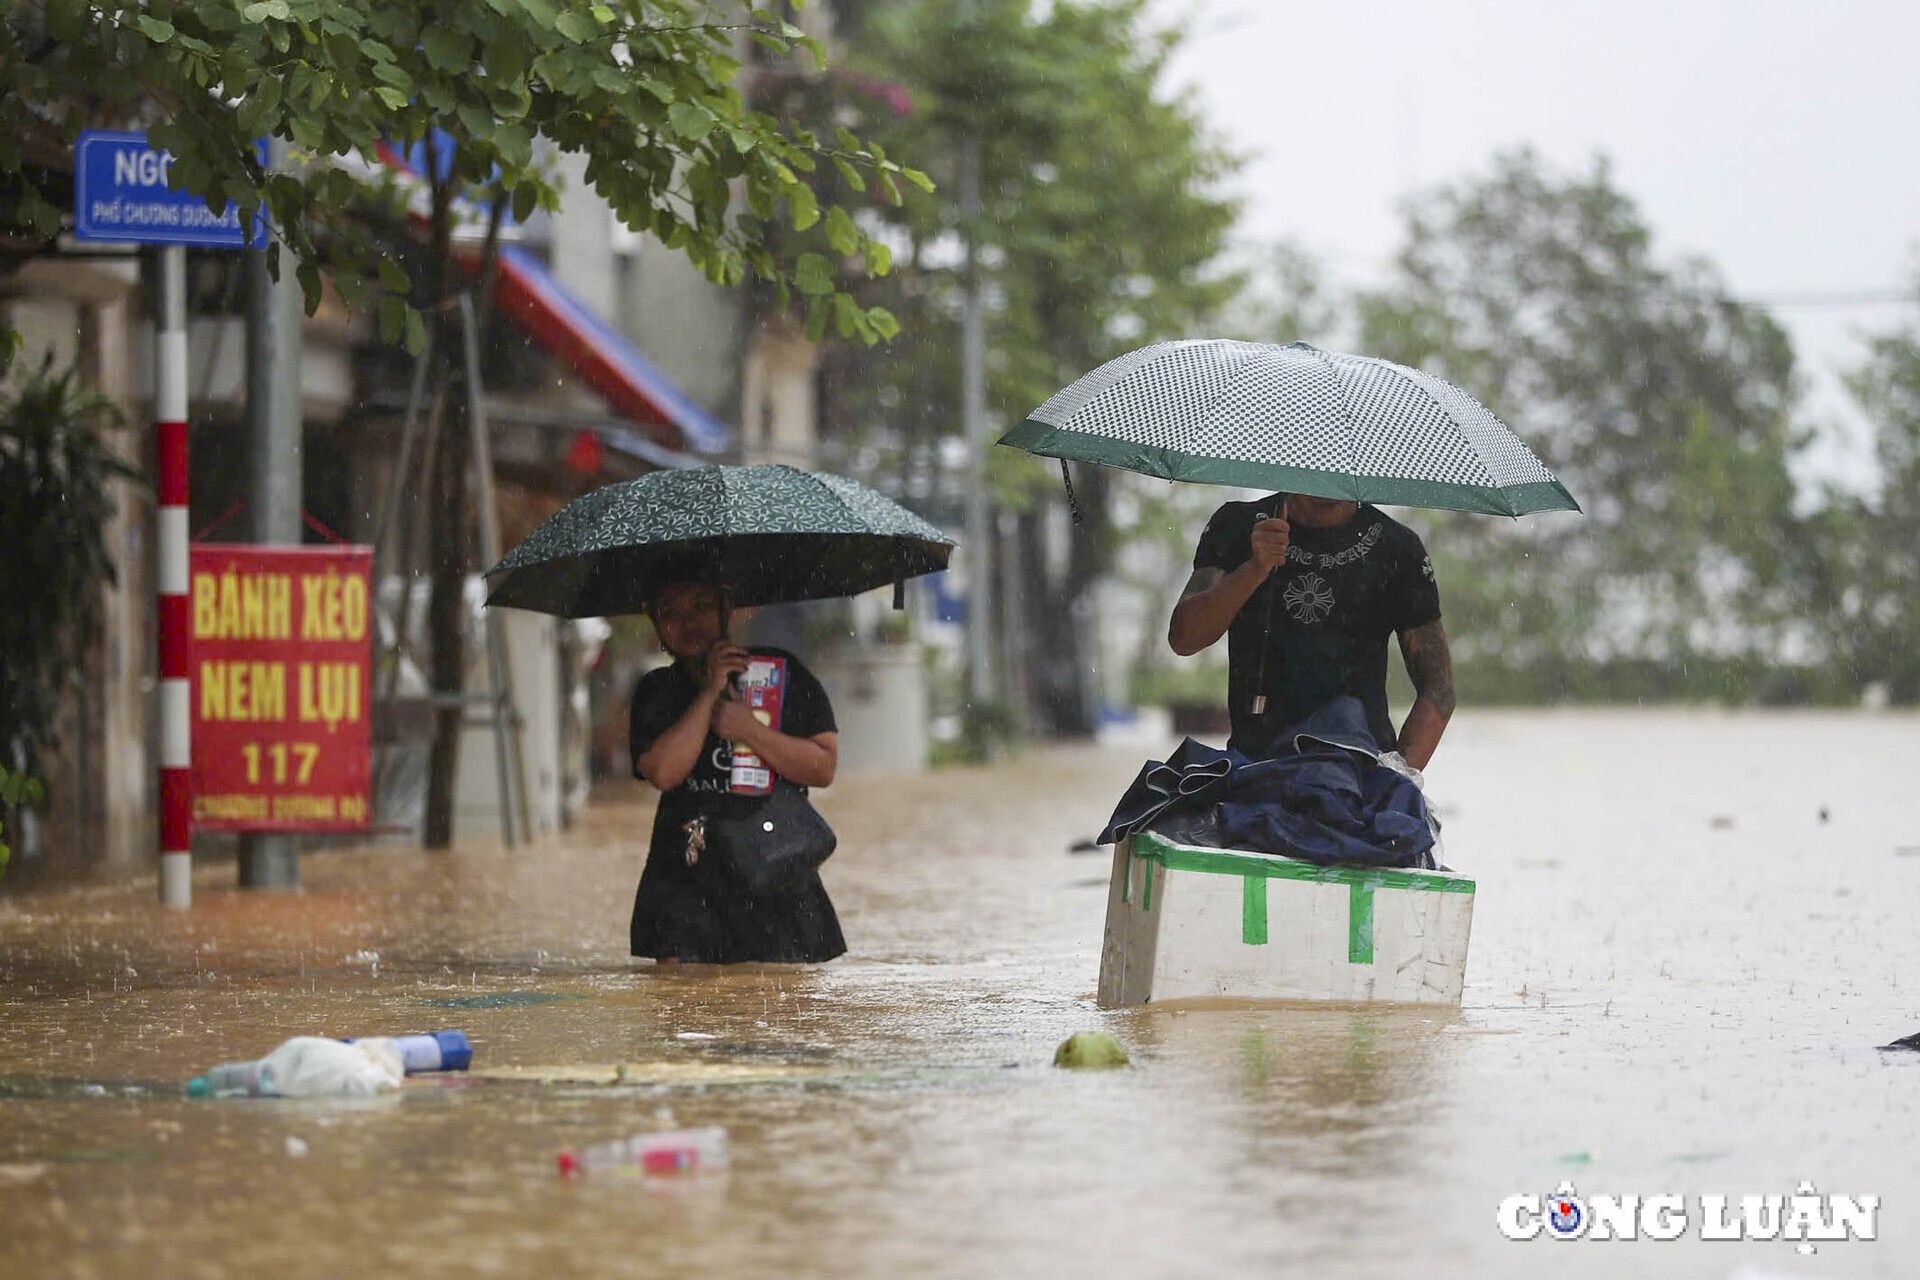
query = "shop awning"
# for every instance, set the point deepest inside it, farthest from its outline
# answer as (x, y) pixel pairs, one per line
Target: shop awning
(532, 297)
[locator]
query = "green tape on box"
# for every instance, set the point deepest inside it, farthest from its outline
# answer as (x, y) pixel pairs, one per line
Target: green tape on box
(1253, 910)
(1225, 862)
(1360, 922)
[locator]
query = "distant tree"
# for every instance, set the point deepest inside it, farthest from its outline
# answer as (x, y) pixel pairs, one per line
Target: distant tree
(1865, 580)
(645, 89)
(1102, 227)
(1662, 401)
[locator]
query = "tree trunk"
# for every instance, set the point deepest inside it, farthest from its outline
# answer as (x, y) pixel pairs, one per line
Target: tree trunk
(1066, 676)
(450, 520)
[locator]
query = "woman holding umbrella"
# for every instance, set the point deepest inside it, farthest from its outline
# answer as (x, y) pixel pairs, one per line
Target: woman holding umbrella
(686, 720)
(732, 739)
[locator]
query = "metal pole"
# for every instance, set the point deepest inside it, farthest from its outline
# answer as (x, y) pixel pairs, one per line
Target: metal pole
(506, 715)
(271, 860)
(176, 734)
(973, 422)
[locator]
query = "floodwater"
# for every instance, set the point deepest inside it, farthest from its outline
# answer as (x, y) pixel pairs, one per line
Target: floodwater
(1691, 931)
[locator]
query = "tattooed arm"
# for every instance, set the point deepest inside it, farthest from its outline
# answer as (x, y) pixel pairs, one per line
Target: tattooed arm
(1430, 666)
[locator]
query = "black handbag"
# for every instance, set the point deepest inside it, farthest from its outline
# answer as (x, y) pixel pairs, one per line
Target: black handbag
(767, 848)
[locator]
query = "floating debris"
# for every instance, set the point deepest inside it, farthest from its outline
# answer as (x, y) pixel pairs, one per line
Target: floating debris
(1090, 1049)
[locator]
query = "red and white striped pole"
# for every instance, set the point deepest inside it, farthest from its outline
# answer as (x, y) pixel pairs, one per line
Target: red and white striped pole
(176, 736)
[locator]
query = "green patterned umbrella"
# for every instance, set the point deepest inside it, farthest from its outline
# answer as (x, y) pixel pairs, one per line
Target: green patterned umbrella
(768, 534)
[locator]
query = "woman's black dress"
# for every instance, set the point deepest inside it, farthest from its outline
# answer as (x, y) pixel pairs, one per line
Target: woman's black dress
(695, 912)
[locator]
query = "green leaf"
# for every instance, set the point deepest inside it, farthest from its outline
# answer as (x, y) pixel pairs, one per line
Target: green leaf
(156, 30)
(542, 12)
(659, 89)
(690, 120)
(883, 322)
(416, 332)
(760, 198)
(393, 277)
(604, 15)
(393, 318)
(818, 313)
(771, 42)
(309, 277)
(849, 174)
(505, 60)
(841, 233)
(879, 258)
(847, 317)
(813, 275)
(802, 208)
(392, 97)
(917, 178)
(526, 198)
(268, 94)
(514, 142)
(447, 47)
(477, 119)
(256, 13)
(577, 26)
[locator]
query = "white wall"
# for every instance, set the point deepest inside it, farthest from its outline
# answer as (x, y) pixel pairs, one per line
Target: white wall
(879, 697)
(533, 650)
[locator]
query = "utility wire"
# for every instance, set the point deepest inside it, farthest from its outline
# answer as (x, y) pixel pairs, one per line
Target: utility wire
(1858, 298)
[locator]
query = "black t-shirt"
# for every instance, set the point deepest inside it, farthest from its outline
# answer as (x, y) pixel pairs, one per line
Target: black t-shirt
(662, 696)
(1342, 592)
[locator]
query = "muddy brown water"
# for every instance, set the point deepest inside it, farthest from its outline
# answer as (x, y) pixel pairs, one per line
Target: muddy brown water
(1679, 973)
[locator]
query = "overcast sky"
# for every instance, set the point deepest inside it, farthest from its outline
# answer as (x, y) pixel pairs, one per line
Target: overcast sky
(1775, 138)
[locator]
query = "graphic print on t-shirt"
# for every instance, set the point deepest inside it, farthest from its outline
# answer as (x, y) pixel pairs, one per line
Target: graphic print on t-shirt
(661, 696)
(1308, 598)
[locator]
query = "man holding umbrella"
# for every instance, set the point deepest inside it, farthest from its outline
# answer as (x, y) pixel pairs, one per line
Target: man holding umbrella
(1307, 590)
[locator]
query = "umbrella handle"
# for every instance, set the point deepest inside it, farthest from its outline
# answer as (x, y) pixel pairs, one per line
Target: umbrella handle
(1266, 634)
(1266, 628)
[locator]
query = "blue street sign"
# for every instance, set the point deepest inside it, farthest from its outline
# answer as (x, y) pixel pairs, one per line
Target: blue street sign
(120, 194)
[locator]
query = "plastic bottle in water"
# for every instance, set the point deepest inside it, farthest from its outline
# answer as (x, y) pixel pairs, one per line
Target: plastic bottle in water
(310, 1067)
(673, 1151)
(434, 1051)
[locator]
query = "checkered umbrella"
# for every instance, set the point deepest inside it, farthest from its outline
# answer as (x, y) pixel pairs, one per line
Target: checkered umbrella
(1293, 418)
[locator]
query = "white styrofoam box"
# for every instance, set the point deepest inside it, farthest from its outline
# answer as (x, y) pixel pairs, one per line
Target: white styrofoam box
(1188, 923)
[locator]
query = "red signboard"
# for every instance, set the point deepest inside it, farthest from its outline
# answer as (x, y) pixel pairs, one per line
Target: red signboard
(282, 693)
